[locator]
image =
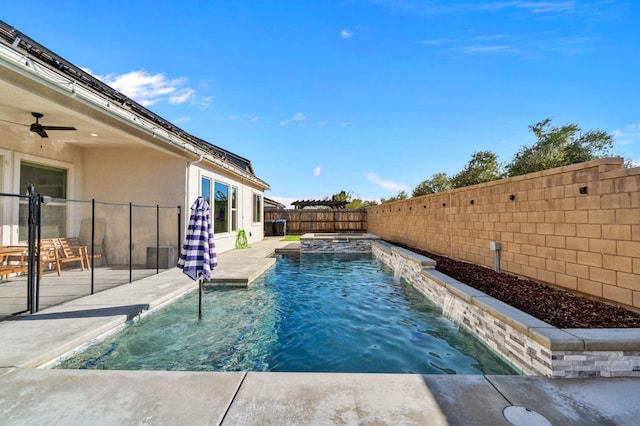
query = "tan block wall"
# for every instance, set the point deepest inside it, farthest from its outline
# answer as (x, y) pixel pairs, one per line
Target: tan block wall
(589, 243)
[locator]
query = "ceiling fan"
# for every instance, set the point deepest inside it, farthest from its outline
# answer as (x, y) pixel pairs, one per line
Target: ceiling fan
(41, 129)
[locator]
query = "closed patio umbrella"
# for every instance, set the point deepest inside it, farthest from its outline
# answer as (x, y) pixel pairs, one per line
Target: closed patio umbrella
(198, 256)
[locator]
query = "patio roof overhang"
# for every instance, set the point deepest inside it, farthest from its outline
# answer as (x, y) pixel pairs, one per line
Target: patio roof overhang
(102, 116)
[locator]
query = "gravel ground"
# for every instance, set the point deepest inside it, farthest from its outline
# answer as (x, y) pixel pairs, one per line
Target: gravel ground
(557, 307)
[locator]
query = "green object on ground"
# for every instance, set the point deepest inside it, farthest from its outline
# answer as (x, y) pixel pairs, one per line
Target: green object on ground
(241, 240)
(291, 238)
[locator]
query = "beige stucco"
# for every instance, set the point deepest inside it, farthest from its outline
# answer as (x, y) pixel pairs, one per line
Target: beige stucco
(120, 153)
(575, 227)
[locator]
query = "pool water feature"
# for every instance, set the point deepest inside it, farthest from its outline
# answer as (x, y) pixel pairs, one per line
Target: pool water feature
(311, 313)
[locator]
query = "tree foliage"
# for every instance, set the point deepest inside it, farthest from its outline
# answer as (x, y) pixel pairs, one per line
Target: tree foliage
(358, 203)
(352, 203)
(342, 196)
(436, 183)
(559, 146)
(483, 167)
(402, 195)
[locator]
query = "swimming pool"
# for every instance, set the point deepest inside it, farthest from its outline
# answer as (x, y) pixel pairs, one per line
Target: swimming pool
(311, 313)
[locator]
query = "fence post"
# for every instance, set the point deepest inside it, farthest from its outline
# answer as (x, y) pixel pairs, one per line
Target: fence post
(158, 239)
(39, 200)
(93, 236)
(31, 242)
(130, 242)
(179, 231)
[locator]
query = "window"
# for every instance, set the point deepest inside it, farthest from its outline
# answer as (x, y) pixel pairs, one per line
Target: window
(234, 208)
(257, 208)
(220, 208)
(205, 190)
(50, 182)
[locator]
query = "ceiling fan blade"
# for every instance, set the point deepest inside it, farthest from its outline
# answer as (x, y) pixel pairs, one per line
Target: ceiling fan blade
(42, 133)
(13, 122)
(59, 128)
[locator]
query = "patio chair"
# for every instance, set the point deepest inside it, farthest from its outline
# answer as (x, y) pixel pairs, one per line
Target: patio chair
(48, 255)
(71, 253)
(100, 252)
(12, 260)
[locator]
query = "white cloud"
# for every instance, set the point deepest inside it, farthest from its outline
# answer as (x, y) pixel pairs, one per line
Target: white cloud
(322, 123)
(628, 135)
(296, 117)
(486, 49)
(531, 6)
(149, 89)
(386, 184)
(433, 42)
(346, 34)
(182, 119)
(345, 124)
(317, 171)
(181, 96)
(206, 102)
(286, 200)
(255, 118)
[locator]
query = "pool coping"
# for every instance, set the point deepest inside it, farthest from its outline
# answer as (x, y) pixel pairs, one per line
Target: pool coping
(531, 345)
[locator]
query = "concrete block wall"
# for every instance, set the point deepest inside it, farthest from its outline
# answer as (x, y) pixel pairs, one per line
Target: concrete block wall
(550, 227)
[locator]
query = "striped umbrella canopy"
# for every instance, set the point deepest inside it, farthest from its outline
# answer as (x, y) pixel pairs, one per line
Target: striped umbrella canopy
(198, 256)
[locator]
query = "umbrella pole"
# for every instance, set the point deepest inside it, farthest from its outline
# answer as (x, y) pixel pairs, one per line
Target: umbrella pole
(200, 298)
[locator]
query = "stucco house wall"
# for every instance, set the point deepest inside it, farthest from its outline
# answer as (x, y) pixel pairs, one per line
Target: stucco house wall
(120, 153)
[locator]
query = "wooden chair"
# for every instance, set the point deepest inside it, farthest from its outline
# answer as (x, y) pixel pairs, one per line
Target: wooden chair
(48, 255)
(71, 252)
(100, 251)
(12, 260)
(75, 244)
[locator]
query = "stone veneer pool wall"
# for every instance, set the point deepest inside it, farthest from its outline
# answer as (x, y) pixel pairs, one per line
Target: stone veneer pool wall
(531, 345)
(336, 243)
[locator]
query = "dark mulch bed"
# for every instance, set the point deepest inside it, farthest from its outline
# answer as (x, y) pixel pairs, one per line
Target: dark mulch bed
(557, 307)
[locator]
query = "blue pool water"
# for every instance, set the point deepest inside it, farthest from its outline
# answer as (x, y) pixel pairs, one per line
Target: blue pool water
(311, 313)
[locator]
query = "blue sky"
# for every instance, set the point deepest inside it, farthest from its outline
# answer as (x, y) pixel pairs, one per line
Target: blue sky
(366, 96)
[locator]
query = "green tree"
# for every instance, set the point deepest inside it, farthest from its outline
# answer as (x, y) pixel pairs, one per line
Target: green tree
(358, 203)
(342, 196)
(402, 195)
(559, 146)
(352, 202)
(483, 167)
(436, 183)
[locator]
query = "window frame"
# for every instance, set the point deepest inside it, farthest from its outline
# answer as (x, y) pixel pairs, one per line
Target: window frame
(257, 208)
(234, 208)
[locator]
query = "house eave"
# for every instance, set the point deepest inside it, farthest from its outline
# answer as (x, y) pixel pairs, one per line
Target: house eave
(25, 57)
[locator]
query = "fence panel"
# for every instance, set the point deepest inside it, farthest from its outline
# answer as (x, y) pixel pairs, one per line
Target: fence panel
(63, 272)
(85, 247)
(302, 221)
(13, 256)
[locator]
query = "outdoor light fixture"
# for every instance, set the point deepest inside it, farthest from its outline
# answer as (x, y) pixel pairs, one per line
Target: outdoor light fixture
(444, 204)
(583, 189)
(472, 201)
(495, 246)
(512, 197)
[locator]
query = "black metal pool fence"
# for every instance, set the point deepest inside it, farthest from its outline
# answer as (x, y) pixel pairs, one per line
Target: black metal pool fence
(98, 245)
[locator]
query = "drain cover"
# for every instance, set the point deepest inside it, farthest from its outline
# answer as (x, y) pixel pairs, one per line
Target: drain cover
(521, 416)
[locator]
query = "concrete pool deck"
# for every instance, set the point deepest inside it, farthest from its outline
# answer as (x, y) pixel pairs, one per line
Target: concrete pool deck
(33, 396)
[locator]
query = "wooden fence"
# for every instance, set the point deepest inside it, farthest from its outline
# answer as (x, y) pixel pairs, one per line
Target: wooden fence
(308, 221)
